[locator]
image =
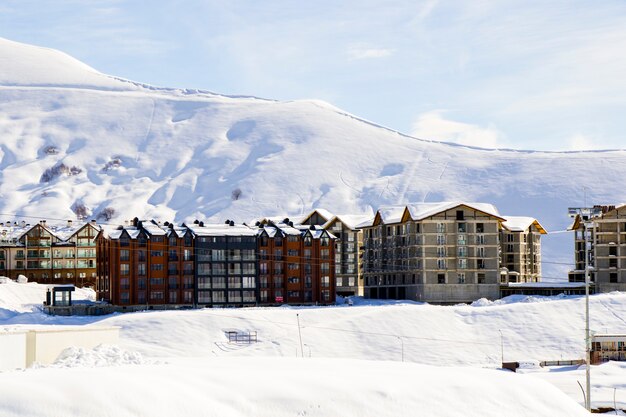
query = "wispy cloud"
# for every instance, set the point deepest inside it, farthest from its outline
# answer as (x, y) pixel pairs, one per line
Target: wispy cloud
(433, 126)
(369, 53)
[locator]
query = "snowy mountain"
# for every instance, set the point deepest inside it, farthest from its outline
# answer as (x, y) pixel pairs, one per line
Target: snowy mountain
(75, 140)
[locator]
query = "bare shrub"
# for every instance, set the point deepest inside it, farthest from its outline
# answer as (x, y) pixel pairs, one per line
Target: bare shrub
(115, 162)
(58, 170)
(236, 194)
(107, 213)
(51, 150)
(80, 210)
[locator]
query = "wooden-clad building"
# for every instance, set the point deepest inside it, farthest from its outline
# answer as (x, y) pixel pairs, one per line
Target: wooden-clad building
(50, 253)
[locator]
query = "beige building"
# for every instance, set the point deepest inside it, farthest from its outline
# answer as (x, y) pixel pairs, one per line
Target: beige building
(49, 253)
(348, 247)
(607, 241)
(520, 240)
(445, 252)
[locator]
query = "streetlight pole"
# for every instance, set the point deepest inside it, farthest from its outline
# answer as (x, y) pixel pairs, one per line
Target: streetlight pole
(587, 335)
(586, 214)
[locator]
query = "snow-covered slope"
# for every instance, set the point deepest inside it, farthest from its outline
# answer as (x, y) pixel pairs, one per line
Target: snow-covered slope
(180, 154)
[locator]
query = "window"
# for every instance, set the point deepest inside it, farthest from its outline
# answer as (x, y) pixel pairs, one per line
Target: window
(339, 282)
(461, 240)
(308, 241)
(307, 254)
(480, 239)
(234, 296)
(613, 277)
(441, 264)
(462, 228)
(325, 281)
(204, 282)
(325, 268)
(293, 280)
(459, 215)
(173, 297)
(441, 251)
(462, 263)
(124, 283)
(278, 254)
(480, 252)
(157, 253)
(156, 267)
(204, 297)
(293, 266)
(249, 297)
(157, 281)
(263, 296)
(462, 251)
(156, 295)
(481, 278)
(441, 278)
(441, 239)
(234, 282)
(124, 269)
(219, 297)
(441, 228)
(248, 282)
(325, 253)
(480, 228)
(278, 240)
(218, 255)
(293, 294)
(324, 241)
(461, 278)
(509, 237)
(219, 282)
(509, 247)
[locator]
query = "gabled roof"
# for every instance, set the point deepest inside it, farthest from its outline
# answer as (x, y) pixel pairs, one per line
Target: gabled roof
(521, 224)
(222, 229)
(323, 213)
(421, 211)
(351, 221)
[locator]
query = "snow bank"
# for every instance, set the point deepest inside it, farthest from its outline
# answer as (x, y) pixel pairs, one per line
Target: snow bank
(101, 355)
(276, 387)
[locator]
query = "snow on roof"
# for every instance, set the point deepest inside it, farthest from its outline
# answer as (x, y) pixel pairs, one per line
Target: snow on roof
(521, 224)
(152, 228)
(325, 214)
(421, 211)
(351, 221)
(222, 229)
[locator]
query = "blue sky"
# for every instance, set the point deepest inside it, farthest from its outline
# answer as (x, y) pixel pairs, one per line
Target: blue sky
(547, 75)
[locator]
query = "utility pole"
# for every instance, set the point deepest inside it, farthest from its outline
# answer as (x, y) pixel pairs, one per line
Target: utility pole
(501, 347)
(586, 214)
(300, 334)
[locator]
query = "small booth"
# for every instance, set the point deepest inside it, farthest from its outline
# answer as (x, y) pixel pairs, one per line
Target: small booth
(60, 296)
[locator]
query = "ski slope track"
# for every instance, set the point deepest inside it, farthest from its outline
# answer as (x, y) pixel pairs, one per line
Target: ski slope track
(179, 154)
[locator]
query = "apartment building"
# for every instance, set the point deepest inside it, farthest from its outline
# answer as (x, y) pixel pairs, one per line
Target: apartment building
(520, 240)
(296, 263)
(436, 252)
(49, 253)
(144, 263)
(226, 264)
(607, 249)
(348, 247)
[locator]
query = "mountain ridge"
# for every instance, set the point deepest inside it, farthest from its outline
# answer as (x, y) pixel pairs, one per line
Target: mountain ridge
(179, 154)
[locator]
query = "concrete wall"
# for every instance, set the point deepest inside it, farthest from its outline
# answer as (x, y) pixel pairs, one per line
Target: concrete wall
(12, 350)
(21, 349)
(45, 345)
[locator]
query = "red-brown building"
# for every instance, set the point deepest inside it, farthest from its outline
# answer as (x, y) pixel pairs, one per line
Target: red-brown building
(146, 264)
(296, 264)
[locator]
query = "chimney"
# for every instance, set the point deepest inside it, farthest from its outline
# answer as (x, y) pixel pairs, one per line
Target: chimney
(23, 223)
(125, 222)
(69, 223)
(93, 222)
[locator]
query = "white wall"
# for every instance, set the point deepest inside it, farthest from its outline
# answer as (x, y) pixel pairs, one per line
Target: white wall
(12, 350)
(45, 345)
(20, 349)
